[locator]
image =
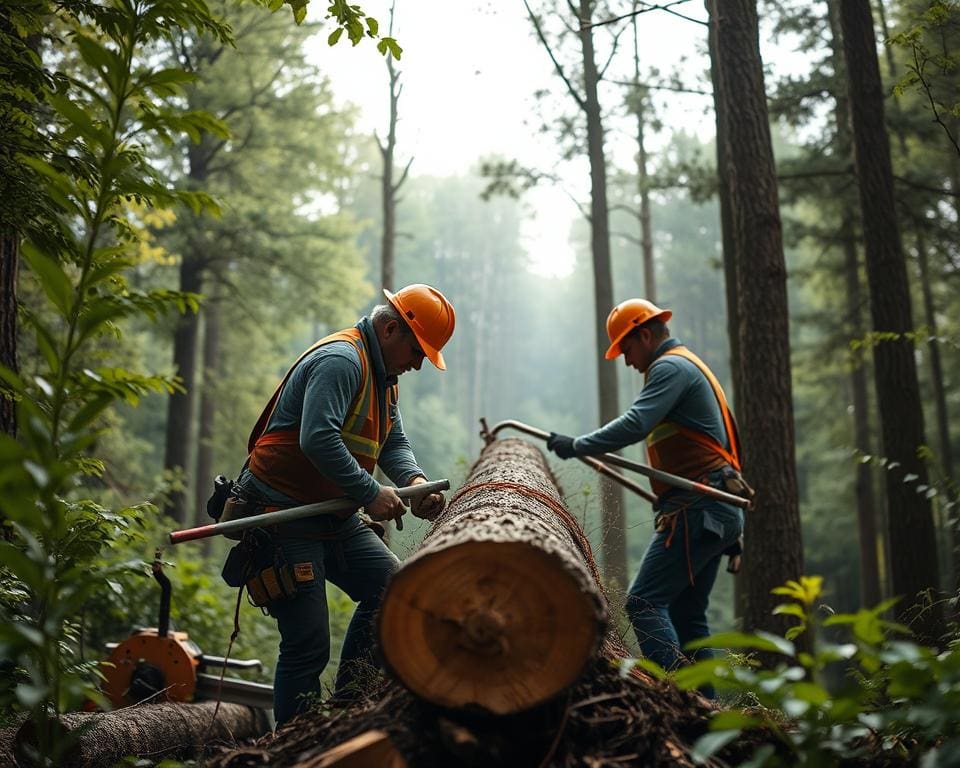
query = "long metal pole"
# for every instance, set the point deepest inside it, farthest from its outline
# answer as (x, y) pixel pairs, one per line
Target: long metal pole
(295, 513)
(609, 458)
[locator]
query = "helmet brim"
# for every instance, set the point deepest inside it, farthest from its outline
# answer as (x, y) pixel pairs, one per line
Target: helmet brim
(614, 351)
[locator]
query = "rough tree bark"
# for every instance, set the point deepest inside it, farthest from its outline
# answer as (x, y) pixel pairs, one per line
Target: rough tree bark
(614, 547)
(729, 248)
(773, 548)
(867, 528)
(910, 519)
(615, 539)
(210, 373)
(157, 731)
(498, 608)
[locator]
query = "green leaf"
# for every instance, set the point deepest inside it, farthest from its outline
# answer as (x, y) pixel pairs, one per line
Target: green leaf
(96, 56)
(711, 743)
(790, 609)
(811, 692)
(89, 412)
(335, 36)
(53, 279)
(373, 26)
(395, 49)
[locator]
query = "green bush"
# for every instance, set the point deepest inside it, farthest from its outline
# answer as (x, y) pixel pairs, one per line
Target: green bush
(898, 700)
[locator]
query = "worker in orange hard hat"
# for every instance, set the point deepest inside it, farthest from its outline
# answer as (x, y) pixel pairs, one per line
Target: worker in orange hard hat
(683, 416)
(332, 420)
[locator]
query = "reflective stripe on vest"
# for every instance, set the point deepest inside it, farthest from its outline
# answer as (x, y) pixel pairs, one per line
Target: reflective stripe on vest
(276, 457)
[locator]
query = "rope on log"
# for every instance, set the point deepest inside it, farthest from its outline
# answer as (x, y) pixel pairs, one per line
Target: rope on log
(501, 606)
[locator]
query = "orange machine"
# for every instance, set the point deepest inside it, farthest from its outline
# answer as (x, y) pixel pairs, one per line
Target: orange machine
(158, 664)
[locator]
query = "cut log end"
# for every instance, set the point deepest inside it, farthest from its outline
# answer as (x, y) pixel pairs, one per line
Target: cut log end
(500, 625)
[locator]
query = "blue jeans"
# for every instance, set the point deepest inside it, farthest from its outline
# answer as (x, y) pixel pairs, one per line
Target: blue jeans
(358, 562)
(666, 610)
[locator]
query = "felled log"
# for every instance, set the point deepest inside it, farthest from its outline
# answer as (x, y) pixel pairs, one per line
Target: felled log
(164, 729)
(499, 608)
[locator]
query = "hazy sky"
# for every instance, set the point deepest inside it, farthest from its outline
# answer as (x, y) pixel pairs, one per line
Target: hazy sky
(469, 71)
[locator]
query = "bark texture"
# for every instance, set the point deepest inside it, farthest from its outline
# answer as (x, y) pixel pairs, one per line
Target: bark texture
(867, 509)
(615, 541)
(605, 718)
(498, 608)
(910, 519)
(773, 548)
(155, 731)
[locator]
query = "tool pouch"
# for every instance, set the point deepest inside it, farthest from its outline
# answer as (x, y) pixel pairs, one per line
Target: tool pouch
(242, 559)
(275, 582)
(222, 488)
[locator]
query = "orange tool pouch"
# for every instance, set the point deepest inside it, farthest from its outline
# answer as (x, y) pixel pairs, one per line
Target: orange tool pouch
(275, 582)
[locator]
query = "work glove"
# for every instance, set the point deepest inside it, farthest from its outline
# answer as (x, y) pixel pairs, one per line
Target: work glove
(561, 445)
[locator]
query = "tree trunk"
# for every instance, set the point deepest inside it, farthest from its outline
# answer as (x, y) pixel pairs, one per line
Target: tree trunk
(729, 262)
(944, 448)
(611, 495)
(773, 549)
(643, 183)
(180, 405)
(914, 565)
(500, 607)
(869, 540)
(210, 375)
(9, 266)
(156, 731)
(388, 188)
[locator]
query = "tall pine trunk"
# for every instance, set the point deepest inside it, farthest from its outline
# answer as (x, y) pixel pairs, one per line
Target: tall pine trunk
(614, 542)
(180, 405)
(866, 501)
(773, 550)
(643, 181)
(729, 249)
(944, 448)
(388, 190)
(910, 520)
(210, 374)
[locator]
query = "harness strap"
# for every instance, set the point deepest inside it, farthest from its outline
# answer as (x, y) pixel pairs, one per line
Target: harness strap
(729, 422)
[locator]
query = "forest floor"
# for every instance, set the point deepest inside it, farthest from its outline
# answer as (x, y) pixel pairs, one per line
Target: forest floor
(606, 719)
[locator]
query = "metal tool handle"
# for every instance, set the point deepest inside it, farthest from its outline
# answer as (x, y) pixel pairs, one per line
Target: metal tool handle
(295, 513)
(608, 458)
(592, 462)
(675, 480)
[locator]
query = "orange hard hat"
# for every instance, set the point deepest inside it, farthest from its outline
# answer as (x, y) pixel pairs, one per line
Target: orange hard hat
(628, 315)
(429, 315)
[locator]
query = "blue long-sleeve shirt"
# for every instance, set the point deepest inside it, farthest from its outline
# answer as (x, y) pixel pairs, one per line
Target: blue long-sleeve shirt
(675, 390)
(316, 399)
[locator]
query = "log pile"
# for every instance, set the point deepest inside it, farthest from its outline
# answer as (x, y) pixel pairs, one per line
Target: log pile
(493, 636)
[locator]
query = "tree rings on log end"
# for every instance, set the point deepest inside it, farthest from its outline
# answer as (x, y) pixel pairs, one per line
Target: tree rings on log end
(502, 625)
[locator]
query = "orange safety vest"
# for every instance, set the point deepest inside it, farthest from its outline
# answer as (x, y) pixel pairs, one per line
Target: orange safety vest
(276, 457)
(677, 449)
